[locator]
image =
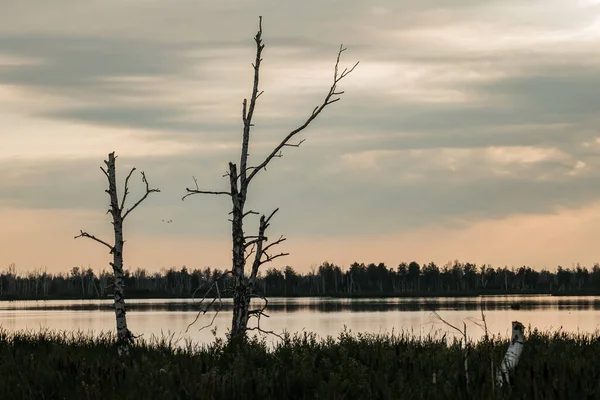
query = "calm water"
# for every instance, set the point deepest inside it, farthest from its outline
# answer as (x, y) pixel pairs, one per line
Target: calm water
(320, 315)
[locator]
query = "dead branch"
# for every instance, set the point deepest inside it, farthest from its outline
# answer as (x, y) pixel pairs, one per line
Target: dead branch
(329, 99)
(482, 323)
(281, 239)
(148, 191)
(259, 329)
(248, 112)
(87, 235)
(485, 327)
(258, 313)
(253, 242)
(126, 190)
(198, 191)
(206, 309)
(295, 145)
(202, 311)
(466, 343)
(105, 173)
(262, 251)
(271, 258)
(249, 253)
(269, 218)
(439, 317)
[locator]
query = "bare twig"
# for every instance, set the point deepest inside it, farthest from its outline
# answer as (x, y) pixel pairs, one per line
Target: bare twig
(198, 191)
(485, 327)
(105, 173)
(439, 317)
(281, 239)
(258, 313)
(126, 190)
(250, 252)
(87, 235)
(244, 215)
(295, 145)
(202, 311)
(271, 258)
(148, 191)
(329, 99)
(260, 251)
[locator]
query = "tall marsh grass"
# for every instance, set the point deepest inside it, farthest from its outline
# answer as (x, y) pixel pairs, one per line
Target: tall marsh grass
(59, 365)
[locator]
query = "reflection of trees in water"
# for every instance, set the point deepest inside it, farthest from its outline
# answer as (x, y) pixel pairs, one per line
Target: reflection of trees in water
(341, 305)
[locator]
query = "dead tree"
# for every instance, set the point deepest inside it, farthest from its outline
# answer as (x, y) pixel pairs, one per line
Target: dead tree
(463, 333)
(240, 177)
(119, 214)
(513, 354)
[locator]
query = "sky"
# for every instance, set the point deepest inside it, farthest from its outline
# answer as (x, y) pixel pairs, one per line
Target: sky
(469, 130)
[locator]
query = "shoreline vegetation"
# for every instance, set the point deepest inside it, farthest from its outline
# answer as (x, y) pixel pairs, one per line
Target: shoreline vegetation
(371, 280)
(74, 365)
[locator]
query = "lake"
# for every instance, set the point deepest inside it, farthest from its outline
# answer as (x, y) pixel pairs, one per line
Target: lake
(323, 316)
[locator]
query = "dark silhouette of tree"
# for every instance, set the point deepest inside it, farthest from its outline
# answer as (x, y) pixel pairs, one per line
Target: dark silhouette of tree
(253, 250)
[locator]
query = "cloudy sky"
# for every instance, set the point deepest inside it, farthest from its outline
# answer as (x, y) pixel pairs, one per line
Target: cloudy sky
(468, 131)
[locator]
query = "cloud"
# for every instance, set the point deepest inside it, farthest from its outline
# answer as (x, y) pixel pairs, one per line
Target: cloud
(458, 112)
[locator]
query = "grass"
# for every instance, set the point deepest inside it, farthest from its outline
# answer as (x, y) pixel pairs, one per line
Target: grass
(55, 365)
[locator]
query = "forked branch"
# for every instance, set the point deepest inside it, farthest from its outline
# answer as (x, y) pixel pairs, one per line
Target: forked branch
(148, 191)
(261, 256)
(331, 97)
(214, 284)
(258, 313)
(126, 189)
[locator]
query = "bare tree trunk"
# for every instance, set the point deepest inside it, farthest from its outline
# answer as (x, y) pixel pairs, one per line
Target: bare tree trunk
(241, 296)
(124, 335)
(513, 354)
(239, 181)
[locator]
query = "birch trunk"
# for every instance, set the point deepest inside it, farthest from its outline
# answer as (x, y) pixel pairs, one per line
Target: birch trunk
(513, 354)
(124, 336)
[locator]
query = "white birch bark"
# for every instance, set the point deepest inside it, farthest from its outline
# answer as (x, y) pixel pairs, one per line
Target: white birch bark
(513, 354)
(124, 335)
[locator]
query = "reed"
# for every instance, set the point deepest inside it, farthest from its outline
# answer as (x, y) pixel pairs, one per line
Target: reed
(77, 365)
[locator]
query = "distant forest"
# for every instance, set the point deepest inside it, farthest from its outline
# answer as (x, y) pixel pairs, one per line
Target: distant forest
(407, 279)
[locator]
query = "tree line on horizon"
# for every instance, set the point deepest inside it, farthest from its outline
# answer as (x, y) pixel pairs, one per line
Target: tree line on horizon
(327, 279)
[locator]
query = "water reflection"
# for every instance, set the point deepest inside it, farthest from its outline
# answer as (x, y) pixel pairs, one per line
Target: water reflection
(323, 316)
(328, 305)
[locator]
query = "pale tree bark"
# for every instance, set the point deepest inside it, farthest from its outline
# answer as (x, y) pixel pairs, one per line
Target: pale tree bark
(513, 354)
(118, 212)
(243, 246)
